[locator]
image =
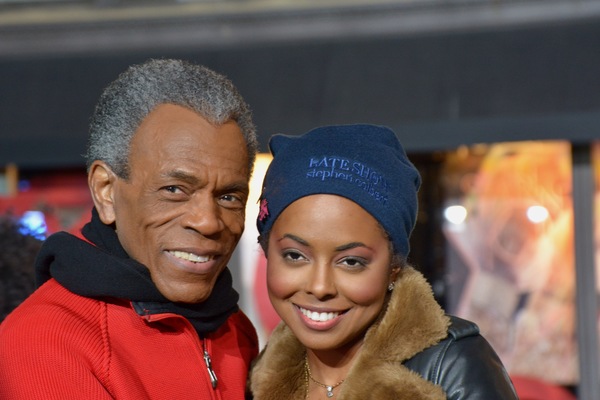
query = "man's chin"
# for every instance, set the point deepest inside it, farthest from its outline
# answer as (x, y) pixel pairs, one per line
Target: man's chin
(190, 295)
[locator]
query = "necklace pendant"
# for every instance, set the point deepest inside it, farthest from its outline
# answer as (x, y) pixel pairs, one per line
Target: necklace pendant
(329, 391)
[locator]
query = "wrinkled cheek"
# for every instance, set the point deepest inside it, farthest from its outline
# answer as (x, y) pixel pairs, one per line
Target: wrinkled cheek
(235, 226)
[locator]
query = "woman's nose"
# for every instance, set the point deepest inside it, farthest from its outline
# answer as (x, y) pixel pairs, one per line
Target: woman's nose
(321, 282)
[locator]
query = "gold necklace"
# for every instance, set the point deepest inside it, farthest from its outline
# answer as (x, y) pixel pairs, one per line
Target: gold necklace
(307, 375)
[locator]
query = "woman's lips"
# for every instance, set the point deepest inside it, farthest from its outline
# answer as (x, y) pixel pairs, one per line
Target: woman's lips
(320, 320)
(318, 316)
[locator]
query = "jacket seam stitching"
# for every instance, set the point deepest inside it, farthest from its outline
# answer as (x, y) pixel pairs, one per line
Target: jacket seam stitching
(107, 347)
(439, 360)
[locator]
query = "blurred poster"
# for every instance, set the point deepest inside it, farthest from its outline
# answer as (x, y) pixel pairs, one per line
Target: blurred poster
(509, 226)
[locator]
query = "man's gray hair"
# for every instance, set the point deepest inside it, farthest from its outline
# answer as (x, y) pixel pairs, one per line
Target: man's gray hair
(141, 88)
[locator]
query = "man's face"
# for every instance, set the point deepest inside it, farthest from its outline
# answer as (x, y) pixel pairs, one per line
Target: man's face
(181, 212)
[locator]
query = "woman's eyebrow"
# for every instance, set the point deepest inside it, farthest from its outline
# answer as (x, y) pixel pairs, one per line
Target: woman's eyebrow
(347, 246)
(351, 245)
(295, 238)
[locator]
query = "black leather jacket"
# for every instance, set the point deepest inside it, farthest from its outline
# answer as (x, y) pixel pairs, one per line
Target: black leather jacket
(461, 365)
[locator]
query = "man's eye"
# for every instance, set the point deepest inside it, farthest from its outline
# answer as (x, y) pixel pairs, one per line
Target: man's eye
(173, 192)
(230, 197)
(172, 189)
(232, 201)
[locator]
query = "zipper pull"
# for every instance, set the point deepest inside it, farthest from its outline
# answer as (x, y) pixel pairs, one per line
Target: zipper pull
(211, 373)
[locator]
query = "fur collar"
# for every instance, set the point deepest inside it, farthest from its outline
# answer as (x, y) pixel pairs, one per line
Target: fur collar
(412, 322)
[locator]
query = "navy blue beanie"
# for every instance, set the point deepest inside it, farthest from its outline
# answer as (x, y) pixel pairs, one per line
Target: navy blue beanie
(363, 163)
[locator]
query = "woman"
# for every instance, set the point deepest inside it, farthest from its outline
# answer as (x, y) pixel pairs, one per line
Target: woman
(337, 209)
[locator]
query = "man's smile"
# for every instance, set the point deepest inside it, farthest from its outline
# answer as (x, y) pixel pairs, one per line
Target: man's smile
(191, 257)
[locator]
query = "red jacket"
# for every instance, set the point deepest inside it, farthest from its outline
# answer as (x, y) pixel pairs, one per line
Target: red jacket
(58, 345)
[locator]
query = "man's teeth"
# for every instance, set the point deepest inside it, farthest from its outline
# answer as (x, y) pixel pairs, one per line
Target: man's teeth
(320, 317)
(191, 257)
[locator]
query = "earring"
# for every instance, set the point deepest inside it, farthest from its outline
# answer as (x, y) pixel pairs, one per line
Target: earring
(391, 286)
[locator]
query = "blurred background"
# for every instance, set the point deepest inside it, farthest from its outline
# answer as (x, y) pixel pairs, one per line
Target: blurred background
(496, 101)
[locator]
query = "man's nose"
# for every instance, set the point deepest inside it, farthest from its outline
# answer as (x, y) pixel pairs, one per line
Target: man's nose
(204, 215)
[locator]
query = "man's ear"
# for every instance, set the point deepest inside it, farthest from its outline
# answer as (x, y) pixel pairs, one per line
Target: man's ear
(102, 181)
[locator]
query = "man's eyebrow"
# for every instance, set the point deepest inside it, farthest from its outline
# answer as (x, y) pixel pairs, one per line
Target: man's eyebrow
(237, 187)
(181, 175)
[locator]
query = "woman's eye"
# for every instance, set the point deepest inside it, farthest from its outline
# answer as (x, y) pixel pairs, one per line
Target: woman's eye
(293, 256)
(354, 262)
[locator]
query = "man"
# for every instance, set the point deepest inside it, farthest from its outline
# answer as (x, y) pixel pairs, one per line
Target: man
(142, 307)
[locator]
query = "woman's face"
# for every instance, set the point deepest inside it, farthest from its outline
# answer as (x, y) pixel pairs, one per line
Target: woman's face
(328, 271)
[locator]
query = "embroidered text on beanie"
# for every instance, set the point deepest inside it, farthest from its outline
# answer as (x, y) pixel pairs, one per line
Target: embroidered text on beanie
(364, 163)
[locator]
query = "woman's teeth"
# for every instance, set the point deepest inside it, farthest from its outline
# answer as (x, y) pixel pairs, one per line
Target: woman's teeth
(319, 317)
(190, 257)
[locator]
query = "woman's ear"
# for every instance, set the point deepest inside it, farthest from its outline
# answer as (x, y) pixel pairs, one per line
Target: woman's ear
(397, 262)
(102, 181)
(394, 274)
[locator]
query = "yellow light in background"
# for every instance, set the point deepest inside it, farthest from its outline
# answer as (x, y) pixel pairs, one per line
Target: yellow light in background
(9, 180)
(248, 247)
(260, 168)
